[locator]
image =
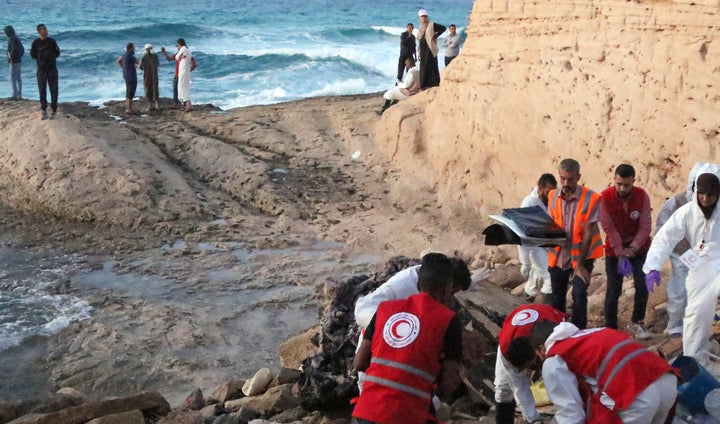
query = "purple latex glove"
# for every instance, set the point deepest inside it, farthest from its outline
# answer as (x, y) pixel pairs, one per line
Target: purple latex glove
(624, 267)
(652, 279)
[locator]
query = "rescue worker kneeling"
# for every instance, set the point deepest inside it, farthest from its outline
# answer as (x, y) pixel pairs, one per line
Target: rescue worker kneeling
(598, 375)
(410, 350)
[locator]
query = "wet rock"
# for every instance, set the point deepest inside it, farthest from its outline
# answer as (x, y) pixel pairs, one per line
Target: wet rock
(290, 415)
(286, 376)
(258, 383)
(52, 403)
(132, 417)
(183, 417)
(78, 396)
(212, 411)
(194, 401)
(151, 403)
(7, 411)
(246, 414)
(229, 391)
(275, 400)
(229, 419)
(297, 348)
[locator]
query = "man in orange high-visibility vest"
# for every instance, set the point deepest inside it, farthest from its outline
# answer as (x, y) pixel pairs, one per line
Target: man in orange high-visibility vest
(576, 209)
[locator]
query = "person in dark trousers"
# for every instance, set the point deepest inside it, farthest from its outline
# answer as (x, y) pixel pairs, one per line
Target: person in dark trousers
(407, 50)
(428, 34)
(127, 62)
(46, 51)
(625, 218)
(15, 52)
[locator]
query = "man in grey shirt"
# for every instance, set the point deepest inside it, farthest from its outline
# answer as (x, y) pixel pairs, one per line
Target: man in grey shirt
(452, 45)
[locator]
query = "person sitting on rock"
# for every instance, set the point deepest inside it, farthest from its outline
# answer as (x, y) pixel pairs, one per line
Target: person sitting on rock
(410, 85)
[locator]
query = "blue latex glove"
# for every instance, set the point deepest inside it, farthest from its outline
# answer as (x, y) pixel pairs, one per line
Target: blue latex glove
(652, 280)
(624, 267)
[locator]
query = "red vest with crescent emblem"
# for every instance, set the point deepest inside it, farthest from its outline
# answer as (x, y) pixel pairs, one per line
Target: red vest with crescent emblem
(520, 322)
(622, 367)
(406, 352)
(625, 216)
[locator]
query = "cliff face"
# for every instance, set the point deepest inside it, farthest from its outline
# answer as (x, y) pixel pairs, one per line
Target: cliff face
(603, 82)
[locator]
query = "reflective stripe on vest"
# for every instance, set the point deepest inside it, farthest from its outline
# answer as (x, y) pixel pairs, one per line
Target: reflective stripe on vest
(405, 367)
(582, 210)
(398, 386)
(619, 365)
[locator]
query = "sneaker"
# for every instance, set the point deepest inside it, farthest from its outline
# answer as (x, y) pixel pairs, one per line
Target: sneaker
(52, 114)
(638, 331)
(44, 115)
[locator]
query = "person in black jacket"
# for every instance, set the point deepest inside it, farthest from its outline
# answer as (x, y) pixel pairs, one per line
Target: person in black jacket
(15, 52)
(407, 50)
(45, 51)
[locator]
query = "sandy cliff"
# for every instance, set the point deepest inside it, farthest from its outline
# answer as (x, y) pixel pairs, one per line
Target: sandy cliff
(604, 82)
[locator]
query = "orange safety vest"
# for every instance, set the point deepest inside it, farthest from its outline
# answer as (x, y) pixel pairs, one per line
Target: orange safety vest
(588, 202)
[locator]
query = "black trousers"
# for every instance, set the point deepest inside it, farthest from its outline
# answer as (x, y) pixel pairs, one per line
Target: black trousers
(48, 79)
(560, 282)
(614, 290)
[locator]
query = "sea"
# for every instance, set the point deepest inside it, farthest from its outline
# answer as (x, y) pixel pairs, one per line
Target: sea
(249, 52)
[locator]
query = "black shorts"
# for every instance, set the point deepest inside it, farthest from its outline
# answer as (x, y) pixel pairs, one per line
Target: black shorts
(130, 88)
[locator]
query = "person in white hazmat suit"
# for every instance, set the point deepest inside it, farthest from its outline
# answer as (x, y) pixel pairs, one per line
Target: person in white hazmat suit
(699, 222)
(676, 293)
(534, 260)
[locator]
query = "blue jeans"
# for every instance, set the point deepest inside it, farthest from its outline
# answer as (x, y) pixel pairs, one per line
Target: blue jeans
(560, 281)
(614, 290)
(16, 80)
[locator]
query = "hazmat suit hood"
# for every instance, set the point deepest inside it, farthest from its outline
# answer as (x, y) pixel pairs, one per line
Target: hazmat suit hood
(708, 183)
(691, 179)
(9, 31)
(562, 331)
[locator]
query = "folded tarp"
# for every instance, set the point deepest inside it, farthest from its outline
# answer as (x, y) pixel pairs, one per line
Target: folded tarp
(524, 226)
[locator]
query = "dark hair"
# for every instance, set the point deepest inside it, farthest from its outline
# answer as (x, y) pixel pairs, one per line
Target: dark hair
(435, 272)
(181, 41)
(569, 165)
(452, 26)
(461, 274)
(625, 171)
(129, 46)
(410, 24)
(40, 26)
(520, 352)
(547, 179)
(540, 332)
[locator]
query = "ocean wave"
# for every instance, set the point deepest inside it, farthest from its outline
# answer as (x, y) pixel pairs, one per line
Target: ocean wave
(157, 33)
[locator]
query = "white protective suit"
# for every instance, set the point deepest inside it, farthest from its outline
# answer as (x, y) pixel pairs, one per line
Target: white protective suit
(651, 406)
(535, 257)
(400, 286)
(511, 383)
(703, 279)
(676, 292)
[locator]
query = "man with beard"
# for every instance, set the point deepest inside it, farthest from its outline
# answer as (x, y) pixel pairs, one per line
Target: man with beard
(625, 218)
(697, 221)
(534, 260)
(576, 209)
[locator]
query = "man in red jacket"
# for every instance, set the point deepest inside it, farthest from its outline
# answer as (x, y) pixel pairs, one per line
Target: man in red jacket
(601, 376)
(625, 218)
(410, 349)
